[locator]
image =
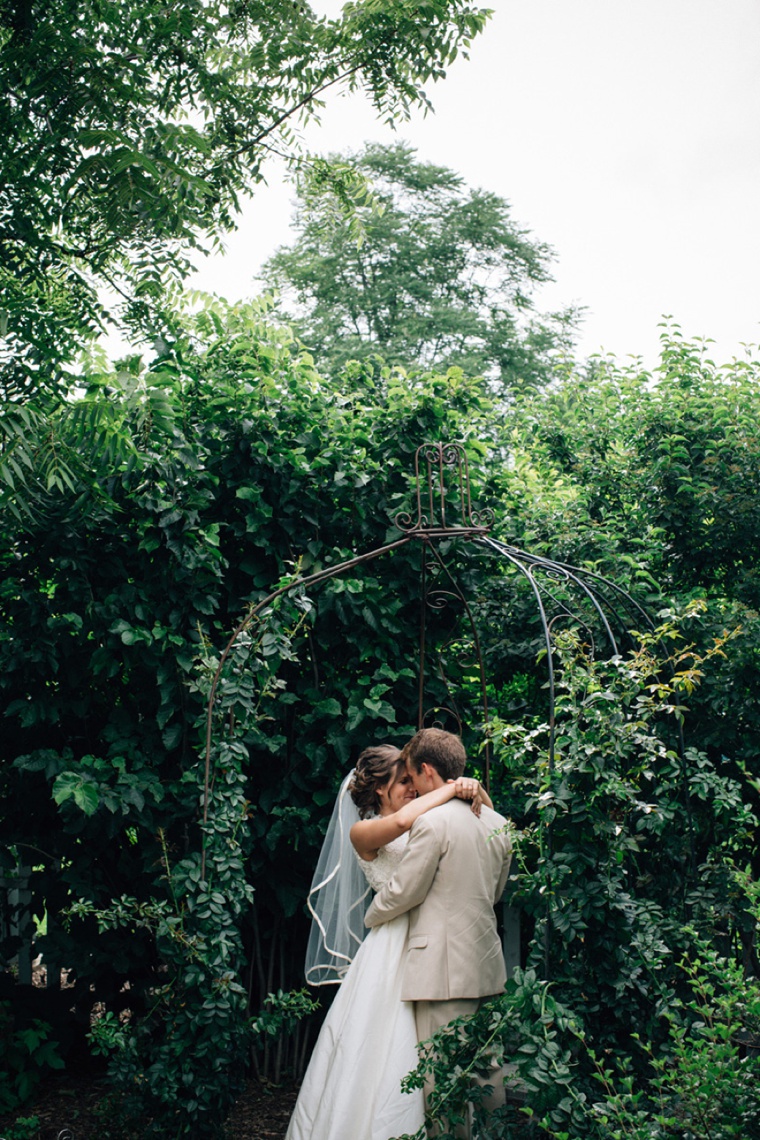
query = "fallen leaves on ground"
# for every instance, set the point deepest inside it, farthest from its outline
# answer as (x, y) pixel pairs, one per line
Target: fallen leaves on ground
(79, 1108)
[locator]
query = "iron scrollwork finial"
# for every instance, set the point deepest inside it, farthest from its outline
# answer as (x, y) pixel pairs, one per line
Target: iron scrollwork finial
(442, 476)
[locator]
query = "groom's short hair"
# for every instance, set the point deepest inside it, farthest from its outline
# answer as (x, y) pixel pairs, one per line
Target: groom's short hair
(442, 750)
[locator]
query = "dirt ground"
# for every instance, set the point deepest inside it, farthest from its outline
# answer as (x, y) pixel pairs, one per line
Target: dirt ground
(78, 1109)
(77, 1105)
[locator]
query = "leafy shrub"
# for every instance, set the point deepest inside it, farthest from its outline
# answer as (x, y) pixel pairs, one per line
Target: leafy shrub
(181, 1065)
(523, 1037)
(23, 1128)
(26, 1054)
(619, 814)
(703, 1080)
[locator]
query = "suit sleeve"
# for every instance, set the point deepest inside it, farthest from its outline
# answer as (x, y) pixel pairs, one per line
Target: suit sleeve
(411, 882)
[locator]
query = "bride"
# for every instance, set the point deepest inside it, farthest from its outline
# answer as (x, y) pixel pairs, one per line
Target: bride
(368, 1043)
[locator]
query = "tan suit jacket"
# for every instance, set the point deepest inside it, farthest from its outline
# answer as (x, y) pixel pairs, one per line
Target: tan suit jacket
(449, 879)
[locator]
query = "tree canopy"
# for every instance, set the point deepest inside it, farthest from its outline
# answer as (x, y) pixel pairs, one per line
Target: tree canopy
(131, 128)
(441, 275)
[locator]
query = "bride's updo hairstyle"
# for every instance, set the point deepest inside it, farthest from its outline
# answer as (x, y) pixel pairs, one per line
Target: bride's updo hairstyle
(376, 767)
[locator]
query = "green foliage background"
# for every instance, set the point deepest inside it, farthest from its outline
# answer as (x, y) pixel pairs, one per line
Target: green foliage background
(147, 504)
(232, 465)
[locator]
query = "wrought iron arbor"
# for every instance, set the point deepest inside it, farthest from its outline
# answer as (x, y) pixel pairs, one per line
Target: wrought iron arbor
(442, 512)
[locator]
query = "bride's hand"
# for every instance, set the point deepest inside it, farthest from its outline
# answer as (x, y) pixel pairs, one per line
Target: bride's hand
(469, 789)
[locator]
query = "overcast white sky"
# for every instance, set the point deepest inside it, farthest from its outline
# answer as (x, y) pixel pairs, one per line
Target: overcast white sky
(626, 133)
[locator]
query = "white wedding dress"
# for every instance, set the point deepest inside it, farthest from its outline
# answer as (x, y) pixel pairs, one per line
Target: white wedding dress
(352, 1087)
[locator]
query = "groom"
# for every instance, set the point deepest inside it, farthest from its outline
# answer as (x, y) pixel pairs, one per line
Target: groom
(452, 873)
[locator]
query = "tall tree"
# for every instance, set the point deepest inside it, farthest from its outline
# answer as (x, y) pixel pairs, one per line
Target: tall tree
(132, 127)
(442, 275)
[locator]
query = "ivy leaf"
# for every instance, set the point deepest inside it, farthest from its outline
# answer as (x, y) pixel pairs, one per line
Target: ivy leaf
(329, 707)
(70, 785)
(381, 709)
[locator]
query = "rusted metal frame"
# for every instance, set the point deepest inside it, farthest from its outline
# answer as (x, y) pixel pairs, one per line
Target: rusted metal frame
(437, 457)
(437, 600)
(422, 519)
(513, 557)
(422, 642)
(564, 611)
(623, 595)
(602, 585)
(455, 455)
(599, 586)
(451, 707)
(526, 571)
(441, 484)
(565, 573)
(310, 580)
(433, 598)
(446, 532)
(464, 489)
(597, 589)
(474, 526)
(254, 611)
(581, 577)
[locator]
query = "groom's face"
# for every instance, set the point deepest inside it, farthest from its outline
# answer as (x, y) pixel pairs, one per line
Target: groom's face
(421, 780)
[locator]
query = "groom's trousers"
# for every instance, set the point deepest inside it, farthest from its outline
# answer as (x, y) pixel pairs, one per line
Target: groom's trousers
(433, 1015)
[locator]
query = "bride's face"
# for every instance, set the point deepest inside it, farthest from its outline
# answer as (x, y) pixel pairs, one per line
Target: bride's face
(396, 793)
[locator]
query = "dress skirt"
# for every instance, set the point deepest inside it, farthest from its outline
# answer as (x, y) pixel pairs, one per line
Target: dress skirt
(352, 1087)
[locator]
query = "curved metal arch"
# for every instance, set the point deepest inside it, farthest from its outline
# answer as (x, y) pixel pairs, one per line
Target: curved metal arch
(296, 583)
(447, 477)
(590, 585)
